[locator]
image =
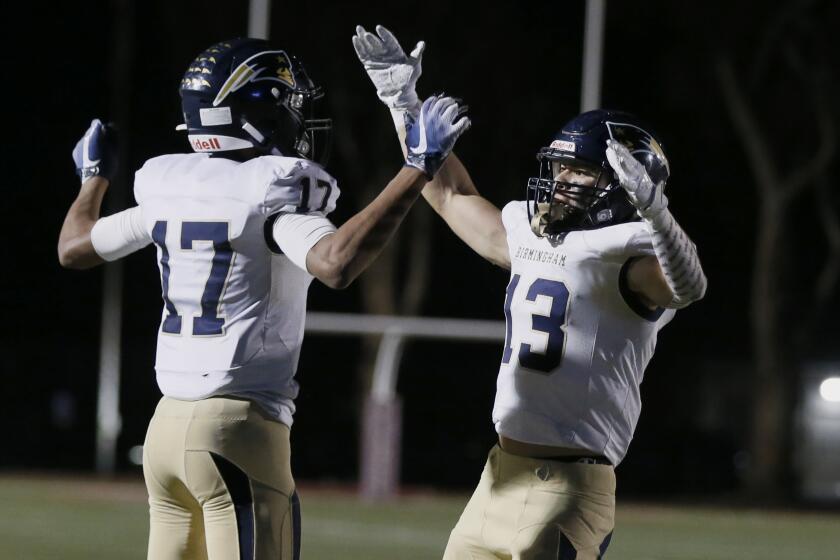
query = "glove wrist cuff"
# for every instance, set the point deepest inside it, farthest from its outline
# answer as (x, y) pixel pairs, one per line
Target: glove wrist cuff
(427, 163)
(654, 214)
(407, 103)
(88, 172)
(418, 162)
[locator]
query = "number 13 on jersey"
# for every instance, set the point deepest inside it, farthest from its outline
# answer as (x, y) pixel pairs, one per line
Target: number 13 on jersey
(551, 325)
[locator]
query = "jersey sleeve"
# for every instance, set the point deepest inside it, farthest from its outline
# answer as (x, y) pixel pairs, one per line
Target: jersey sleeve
(514, 215)
(301, 186)
(120, 234)
(140, 184)
(619, 242)
(296, 234)
(148, 178)
(666, 317)
(639, 242)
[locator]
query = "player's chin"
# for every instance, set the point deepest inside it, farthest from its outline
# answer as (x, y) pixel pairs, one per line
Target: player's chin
(568, 203)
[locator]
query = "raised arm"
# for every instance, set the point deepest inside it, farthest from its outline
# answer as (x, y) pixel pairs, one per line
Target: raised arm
(452, 193)
(338, 258)
(95, 159)
(75, 249)
(473, 218)
(674, 277)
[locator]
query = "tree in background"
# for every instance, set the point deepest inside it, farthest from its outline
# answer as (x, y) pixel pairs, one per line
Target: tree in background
(780, 102)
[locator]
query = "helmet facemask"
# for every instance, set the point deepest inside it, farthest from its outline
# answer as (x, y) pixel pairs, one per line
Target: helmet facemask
(556, 206)
(287, 126)
(315, 139)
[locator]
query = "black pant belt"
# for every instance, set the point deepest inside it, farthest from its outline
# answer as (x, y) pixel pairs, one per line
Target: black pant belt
(586, 459)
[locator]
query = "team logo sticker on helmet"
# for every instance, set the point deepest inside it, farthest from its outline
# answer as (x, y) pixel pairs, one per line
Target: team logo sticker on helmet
(215, 116)
(264, 66)
(637, 140)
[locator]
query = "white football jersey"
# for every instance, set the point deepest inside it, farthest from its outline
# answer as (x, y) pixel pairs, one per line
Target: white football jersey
(577, 341)
(233, 310)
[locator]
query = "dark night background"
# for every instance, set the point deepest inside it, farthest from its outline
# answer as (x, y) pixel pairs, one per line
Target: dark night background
(518, 65)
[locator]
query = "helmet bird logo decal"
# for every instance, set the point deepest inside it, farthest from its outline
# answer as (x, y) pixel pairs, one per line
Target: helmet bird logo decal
(267, 65)
(284, 71)
(619, 132)
(646, 143)
(657, 149)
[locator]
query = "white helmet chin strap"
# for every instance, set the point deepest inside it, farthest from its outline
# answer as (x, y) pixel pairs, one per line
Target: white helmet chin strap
(252, 130)
(258, 136)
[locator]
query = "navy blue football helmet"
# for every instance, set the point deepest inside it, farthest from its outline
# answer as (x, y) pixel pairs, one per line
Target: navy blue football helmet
(581, 145)
(243, 94)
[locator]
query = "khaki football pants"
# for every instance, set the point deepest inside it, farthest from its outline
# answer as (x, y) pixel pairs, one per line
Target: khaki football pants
(219, 482)
(536, 509)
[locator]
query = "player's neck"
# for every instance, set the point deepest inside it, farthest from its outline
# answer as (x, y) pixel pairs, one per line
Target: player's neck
(237, 155)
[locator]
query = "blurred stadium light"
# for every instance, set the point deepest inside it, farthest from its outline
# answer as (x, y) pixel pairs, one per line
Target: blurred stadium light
(818, 441)
(830, 389)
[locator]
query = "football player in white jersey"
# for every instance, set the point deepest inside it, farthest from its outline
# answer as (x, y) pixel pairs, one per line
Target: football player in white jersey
(241, 229)
(598, 265)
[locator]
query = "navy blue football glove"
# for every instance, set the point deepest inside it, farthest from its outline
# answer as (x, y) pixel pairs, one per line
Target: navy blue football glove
(96, 152)
(431, 136)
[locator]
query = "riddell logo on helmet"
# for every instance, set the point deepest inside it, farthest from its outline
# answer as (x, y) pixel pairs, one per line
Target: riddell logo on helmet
(563, 145)
(204, 145)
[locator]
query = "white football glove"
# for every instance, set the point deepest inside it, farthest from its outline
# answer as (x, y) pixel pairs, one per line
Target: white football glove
(393, 73)
(649, 199)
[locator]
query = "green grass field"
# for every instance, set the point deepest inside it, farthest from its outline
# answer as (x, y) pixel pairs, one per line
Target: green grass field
(69, 519)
